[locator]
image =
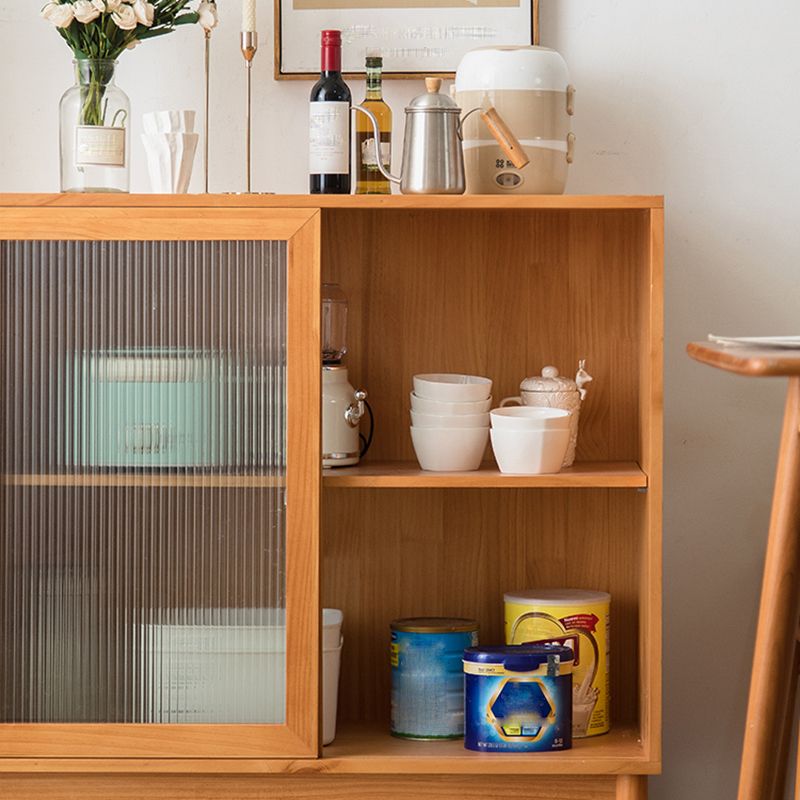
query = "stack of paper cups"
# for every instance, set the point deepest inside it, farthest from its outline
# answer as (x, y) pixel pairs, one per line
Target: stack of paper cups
(170, 143)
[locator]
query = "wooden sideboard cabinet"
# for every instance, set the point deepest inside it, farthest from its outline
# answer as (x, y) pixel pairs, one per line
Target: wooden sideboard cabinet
(163, 504)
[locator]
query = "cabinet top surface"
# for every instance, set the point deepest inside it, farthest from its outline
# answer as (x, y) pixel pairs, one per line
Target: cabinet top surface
(467, 201)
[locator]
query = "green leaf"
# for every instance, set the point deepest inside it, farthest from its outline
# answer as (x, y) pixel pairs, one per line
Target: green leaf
(187, 19)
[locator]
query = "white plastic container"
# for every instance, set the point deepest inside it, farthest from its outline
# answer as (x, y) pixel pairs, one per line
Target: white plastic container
(332, 641)
(231, 670)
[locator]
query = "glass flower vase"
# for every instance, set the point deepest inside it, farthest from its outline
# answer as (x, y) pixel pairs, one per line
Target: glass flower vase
(94, 135)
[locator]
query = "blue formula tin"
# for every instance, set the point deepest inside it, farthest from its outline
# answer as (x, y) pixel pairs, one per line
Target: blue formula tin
(427, 676)
(518, 698)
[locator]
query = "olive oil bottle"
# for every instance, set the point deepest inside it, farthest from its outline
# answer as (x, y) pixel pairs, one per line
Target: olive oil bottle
(369, 179)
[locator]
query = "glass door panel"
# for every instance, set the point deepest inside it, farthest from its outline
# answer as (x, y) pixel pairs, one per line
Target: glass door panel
(143, 510)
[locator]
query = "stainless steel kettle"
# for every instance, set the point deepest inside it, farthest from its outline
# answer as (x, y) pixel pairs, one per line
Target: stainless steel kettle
(433, 156)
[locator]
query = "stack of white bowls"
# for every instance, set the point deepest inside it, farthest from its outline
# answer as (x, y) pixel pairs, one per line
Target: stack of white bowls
(450, 421)
(530, 440)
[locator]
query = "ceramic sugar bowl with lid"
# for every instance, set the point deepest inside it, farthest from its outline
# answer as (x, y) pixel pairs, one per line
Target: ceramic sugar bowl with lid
(555, 391)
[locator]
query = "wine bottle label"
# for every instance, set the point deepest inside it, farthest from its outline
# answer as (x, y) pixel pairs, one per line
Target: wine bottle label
(369, 157)
(99, 146)
(329, 138)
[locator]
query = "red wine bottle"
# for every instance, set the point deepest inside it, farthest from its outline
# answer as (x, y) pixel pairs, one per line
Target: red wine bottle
(329, 123)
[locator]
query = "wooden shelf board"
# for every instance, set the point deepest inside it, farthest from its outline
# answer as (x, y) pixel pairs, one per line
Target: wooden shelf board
(370, 750)
(373, 750)
(466, 201)
(407, 475)
(144, 479)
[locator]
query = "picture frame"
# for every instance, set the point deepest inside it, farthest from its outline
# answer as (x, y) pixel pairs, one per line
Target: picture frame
(417, 38)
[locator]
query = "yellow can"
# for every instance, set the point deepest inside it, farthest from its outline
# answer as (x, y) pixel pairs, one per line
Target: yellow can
(578, 619)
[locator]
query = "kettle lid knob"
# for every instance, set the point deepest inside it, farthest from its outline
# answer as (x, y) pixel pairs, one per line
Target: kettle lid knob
(549, 372)
(433, 85)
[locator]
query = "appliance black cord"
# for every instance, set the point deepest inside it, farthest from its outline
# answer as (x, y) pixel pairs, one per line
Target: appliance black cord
(366, 441)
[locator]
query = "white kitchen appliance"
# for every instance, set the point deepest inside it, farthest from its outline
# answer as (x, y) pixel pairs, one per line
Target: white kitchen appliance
(342, 406)
(529, 87)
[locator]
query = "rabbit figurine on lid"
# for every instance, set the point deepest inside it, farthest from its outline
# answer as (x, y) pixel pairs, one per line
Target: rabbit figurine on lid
(554, 391)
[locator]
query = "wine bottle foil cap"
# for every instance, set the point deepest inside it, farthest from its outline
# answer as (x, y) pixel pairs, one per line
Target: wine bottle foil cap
(331, 37)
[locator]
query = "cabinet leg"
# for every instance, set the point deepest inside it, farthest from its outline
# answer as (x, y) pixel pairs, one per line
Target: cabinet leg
(777, 617)
(631, 787)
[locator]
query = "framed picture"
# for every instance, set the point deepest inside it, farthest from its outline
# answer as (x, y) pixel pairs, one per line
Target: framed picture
(415, 37)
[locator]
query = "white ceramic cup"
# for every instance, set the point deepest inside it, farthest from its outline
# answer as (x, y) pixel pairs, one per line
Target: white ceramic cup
(530, 418)
(444, 408)
(449, 449)
(531, 452)
(419, 420)
(451, 387)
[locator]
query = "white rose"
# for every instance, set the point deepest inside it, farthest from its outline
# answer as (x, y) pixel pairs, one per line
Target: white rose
(124, 18)
(60, 14)
(145, 12)
(100, 5)
(85, 11)
(207, 15)
(113, 5)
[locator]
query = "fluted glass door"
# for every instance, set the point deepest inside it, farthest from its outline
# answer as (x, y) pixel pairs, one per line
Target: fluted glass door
(143, 513)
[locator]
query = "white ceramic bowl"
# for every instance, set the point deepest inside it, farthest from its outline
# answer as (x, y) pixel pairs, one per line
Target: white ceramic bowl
(443, 408)
(449, 449)
(529, 418)
(529, 452)
(452, 387)
(419, 420)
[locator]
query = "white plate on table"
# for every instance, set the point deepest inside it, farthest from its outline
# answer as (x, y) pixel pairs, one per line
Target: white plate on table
(779, 342)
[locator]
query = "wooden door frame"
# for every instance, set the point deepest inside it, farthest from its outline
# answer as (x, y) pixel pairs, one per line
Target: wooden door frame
(299, 736)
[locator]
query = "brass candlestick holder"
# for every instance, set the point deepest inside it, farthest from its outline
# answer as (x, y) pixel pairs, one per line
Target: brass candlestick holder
(207, 103)
(249, 49)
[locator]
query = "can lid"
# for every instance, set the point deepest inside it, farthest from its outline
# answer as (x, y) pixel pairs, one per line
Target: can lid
(557, 597)
(434, 625)
(519, 657)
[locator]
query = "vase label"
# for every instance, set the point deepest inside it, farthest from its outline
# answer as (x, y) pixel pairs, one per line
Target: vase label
(99, 146)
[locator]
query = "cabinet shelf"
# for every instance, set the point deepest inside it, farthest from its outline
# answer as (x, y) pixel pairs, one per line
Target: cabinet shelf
(408, 475)
(368, 749)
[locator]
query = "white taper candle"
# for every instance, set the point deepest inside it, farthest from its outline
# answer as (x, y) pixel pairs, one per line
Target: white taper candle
(249, 16)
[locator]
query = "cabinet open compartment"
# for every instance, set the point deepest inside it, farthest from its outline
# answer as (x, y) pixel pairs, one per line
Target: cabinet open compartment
(498, 293)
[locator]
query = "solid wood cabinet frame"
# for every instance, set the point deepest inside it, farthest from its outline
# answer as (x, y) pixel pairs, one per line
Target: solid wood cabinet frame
(483, 284)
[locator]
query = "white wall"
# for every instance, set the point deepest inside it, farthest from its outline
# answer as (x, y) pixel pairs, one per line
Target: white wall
(697, 100)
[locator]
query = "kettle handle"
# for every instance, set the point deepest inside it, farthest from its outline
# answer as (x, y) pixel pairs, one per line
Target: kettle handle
(377, 131)
(509, 143)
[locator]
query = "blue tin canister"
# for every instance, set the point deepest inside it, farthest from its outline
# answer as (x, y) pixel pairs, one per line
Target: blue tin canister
(427, 676)
(518, 698)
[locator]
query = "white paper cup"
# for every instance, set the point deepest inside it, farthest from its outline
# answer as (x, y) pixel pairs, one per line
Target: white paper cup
(168, 121)
(170, 158)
